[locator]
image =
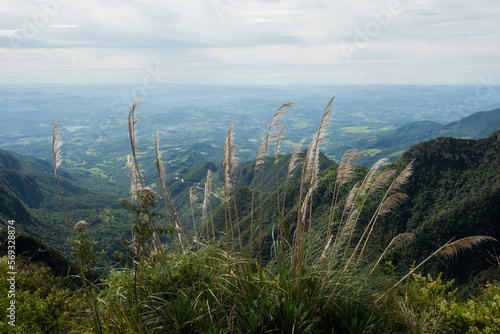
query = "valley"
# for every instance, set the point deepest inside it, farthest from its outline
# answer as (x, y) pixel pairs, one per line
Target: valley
(452, 194)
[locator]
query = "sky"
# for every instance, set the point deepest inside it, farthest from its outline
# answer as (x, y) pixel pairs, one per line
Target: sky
(250, 42)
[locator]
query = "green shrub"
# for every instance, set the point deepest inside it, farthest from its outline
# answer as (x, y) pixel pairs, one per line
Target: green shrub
(477, 315)
(420, 305)
(43, 303)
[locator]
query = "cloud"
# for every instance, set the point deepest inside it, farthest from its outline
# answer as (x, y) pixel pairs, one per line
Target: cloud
(247, 39)
(59, 26)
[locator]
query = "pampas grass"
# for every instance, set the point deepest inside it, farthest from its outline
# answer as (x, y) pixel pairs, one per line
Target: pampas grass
(132, 136)
(229, 164)
(57, 156)
(260, 163)
(308, 179)
(395, 242)
(318, 272)
(192, 199)
(453, 249)
(449, 249)
(169, 206)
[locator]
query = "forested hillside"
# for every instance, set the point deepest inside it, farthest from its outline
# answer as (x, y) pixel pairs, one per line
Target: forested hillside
(278, 243)
(29, 196)
(455, 192)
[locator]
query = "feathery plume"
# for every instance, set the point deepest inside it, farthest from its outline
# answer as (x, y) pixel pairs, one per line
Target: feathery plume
(351, 198)
(229, 149)
(205, 204)
(192, 196)
(391, 202)
(304, 207)
(56, 147)
(158, 162)
(209, 181)
(261, 153)
(448, 250)
(349, 225)
(207, 200)
(133, 174)
(400, 238)
(278, 141)
(133, 140)
(348, 170)
(131, 125)
(312, 157)
(278, 114)
(294, 159)
(192, 199)
(308, 162)
(323, 255)
(455, 247)
(344, 163)
(382, 180)
(369, 176)
(315, 169)
(402, 178)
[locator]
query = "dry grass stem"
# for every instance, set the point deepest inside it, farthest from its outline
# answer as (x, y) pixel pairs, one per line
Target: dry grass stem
(464, 244)
(450, 249)
(132, 135)
(56, 146)
(395, 242)
(192, 199)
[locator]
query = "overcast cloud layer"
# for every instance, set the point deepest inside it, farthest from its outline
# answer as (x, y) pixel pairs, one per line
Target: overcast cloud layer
(250, 42)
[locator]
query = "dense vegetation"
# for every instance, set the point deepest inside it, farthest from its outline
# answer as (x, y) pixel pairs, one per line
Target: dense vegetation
(292, 247)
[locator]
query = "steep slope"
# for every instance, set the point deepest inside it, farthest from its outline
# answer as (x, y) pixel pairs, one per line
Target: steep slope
(33, 250)
(454, 193)
(29, 195)
(16, 191)
(12, 208)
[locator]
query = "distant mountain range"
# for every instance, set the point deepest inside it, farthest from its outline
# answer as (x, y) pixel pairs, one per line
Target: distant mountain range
(394, 142)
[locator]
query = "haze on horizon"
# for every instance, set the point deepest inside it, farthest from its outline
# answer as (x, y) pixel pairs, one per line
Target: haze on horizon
(250, 42)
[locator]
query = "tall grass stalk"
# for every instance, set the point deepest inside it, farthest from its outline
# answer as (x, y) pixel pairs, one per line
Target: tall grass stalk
(192, 199)
(281, 226)
(176, 227)
(207, 205)
(227, 167)
(313, 282)
(260, 163)
(449, 249)
(133, 145)
(396, 241)
(309, 178)
(57, 156)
